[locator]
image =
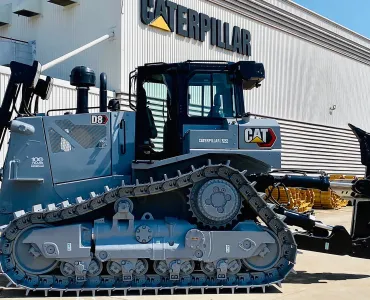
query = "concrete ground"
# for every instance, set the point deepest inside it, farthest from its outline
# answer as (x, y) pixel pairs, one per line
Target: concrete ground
(319, 276)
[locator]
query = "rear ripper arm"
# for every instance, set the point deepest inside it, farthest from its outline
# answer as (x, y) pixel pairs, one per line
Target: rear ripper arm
(317, 236)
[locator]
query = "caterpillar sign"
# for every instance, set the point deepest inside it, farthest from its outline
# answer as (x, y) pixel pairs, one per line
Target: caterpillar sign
(172, 17)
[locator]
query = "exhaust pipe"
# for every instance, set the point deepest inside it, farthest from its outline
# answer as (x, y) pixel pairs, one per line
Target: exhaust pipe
(82, 78)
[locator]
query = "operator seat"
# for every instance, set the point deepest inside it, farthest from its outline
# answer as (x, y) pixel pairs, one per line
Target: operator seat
(150, 129)
(215, 109)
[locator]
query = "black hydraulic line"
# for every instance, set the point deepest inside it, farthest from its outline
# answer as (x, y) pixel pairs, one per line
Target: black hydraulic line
(27, 95)
(36, 107)
(5, 110)
(21, 75)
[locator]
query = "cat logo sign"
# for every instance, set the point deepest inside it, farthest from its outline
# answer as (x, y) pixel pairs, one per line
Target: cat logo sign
(263, 137)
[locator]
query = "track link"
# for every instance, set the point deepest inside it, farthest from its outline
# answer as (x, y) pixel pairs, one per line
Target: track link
(196, 281)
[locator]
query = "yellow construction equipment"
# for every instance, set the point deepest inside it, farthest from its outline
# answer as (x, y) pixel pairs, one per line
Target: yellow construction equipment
(304, 200)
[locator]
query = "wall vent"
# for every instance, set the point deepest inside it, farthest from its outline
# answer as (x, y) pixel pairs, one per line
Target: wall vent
(28, 8)
(63, 2)
(5, 14)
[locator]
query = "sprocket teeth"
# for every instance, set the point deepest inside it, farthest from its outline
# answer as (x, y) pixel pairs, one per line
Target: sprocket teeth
(37, 208)
(51, 207)
(65, 204)
(19, 214)
(79, 200)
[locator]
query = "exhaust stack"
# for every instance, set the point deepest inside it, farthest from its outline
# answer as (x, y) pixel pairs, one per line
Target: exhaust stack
(82, 78)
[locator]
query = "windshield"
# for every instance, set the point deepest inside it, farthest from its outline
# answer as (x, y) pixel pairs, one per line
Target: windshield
(211, 95)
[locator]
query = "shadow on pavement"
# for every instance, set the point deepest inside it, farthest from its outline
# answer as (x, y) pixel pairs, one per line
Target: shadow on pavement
(302, 277)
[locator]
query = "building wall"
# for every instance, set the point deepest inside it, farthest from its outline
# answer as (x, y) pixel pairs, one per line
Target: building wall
(312, 64)
(14, 50)
(59, 30)
(305, 75)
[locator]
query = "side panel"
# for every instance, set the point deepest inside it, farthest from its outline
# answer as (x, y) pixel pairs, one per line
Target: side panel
(261, 139)
(79, 146)
(123, 153)
(258, 139)
(210, 138)
(27, 177)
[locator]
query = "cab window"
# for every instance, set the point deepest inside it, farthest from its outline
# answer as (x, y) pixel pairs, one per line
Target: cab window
(211, 95)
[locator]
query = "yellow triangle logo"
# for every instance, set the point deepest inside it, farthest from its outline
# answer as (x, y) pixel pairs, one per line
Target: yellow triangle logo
(160, 23)
(257, 140)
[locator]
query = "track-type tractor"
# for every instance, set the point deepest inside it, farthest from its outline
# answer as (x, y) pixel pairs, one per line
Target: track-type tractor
(89, 202)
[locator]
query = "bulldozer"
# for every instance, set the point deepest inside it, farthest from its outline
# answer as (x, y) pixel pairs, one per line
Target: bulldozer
(88, 202)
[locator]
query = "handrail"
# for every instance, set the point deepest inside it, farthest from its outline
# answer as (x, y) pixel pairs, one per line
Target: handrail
(75, 52)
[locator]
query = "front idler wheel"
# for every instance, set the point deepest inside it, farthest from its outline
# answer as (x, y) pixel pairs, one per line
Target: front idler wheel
(29, 258)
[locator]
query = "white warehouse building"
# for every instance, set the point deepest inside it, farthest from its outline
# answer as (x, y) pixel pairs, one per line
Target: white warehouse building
(316, 70)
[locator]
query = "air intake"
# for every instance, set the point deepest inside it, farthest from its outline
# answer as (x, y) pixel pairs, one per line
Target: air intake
(82, 78)
(28, 8)
(63, 2)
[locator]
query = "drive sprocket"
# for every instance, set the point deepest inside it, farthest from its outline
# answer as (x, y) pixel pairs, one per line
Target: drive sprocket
(215, 203)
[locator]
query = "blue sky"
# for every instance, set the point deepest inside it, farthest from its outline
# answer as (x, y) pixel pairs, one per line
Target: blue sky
(353, 14)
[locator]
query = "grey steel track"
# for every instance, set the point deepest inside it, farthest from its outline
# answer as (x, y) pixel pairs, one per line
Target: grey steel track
(197, 281)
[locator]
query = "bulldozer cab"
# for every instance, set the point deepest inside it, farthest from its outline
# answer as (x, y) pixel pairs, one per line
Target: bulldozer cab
(171, 98)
